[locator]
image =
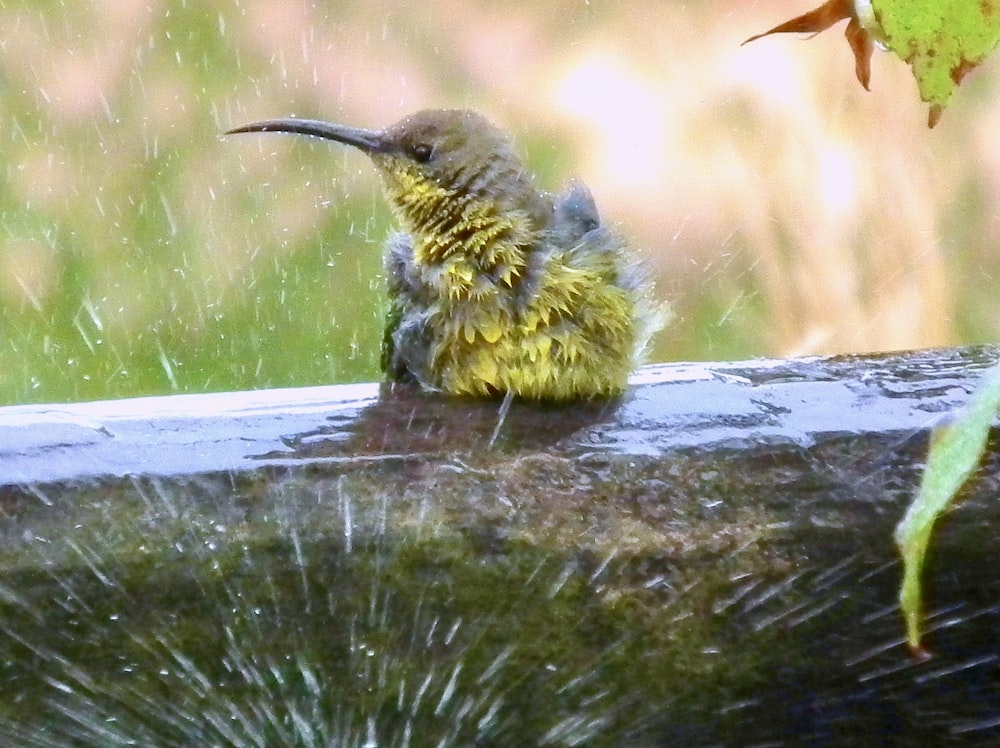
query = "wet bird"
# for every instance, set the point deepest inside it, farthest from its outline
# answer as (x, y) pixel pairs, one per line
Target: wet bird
(496, 288)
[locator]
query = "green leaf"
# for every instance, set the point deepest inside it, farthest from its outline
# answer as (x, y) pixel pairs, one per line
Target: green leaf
(955, 451)
(941, 40)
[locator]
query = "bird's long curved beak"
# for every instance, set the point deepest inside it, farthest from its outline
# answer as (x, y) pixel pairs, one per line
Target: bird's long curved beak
(369, 141)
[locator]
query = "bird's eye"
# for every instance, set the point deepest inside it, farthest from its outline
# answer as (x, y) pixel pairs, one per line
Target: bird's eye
(422, 152)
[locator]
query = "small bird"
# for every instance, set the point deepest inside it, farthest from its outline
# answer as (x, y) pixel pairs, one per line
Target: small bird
(496, 288)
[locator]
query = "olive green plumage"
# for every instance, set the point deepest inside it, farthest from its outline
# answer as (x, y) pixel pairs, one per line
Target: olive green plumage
(495, 286)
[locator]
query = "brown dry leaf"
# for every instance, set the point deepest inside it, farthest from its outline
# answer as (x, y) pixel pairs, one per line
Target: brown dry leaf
(822, 18)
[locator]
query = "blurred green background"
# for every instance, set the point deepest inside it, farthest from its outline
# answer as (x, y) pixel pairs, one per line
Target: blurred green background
(783, 209)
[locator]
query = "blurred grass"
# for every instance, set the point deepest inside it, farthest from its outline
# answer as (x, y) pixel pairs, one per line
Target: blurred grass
(782, 208)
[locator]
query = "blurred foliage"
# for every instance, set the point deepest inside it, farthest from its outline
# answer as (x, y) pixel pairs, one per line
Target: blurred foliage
(142, 254)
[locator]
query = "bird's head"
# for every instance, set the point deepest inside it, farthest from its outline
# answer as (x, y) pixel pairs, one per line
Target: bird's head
(436, 165)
